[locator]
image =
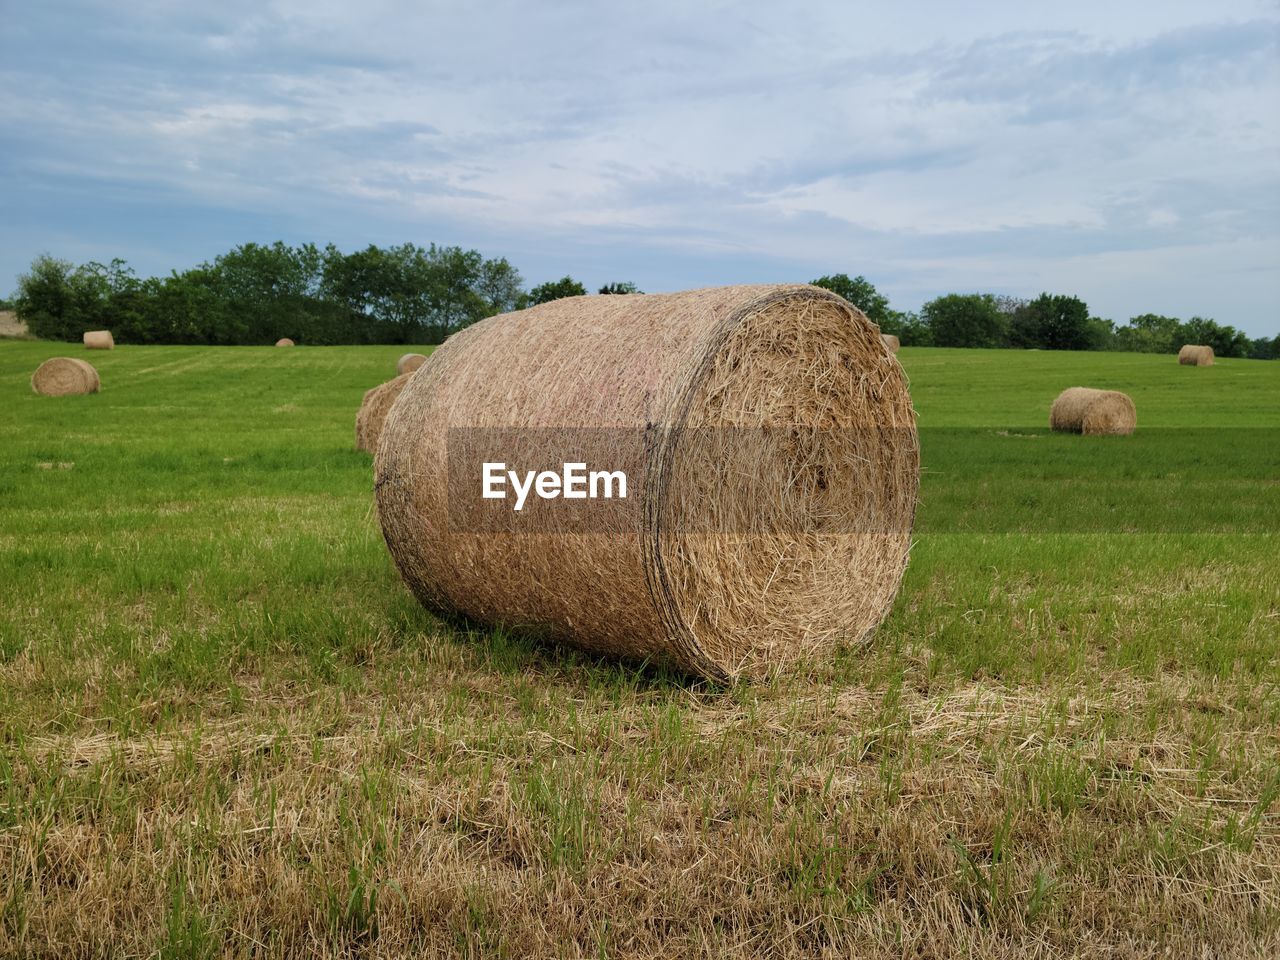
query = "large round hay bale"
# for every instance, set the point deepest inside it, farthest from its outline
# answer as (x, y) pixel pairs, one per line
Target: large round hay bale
(410, 362)
(1093, 412)
(284, 342)
(373, 412)
(1195, 355)
(891, 342)
(771, 453)
(63, 376)
(99, 340)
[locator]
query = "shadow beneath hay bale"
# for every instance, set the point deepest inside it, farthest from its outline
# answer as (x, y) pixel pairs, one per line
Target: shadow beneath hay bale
(516, 650)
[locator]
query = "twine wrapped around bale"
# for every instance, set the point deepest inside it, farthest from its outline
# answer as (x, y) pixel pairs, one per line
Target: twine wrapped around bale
(891, 342)
(1093, 412)
(373, 412)
(64, 376)
(771, 450)
(410, 362)
(284, 342)
(1195, 355)
(99, 340)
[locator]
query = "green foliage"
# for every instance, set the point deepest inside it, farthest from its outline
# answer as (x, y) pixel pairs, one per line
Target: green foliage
(1150, 333)
(1264, 349)
(862, 294)
(44, 298)
(1055, 323)
(910, 328)
(625, 286)
(556, 290)
(1153, 333)
(965, 320)
(258, 293)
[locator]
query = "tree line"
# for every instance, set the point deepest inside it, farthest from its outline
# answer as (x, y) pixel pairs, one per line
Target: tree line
(1048, 322)
(255, 294)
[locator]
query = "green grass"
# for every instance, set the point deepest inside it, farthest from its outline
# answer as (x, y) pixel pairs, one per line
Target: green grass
(225, 727)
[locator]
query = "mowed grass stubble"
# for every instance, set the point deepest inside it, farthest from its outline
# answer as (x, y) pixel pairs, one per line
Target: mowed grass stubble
(226, 727)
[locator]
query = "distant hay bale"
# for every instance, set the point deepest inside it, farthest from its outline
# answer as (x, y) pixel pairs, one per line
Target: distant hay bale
(64, 376)
(284, 342)
(1093, 412)
(1195, 355)
(892, 342)
(772, 459)
(99, 340)
(373, 412)
(410, 362)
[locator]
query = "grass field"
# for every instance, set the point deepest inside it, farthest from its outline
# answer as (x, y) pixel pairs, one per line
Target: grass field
(226, 729)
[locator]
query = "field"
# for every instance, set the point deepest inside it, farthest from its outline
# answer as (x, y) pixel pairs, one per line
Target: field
(226, 729)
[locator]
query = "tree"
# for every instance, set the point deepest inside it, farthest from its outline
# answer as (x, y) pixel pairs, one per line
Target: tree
(44, 297)
(1057, 323)
(556, 290)
(625, 286)
(1150, 333)
(270, 287)
(862, 294)
(500, 286)
(1101, 333)
(910, 329)
(1264, 349)
(965, 320)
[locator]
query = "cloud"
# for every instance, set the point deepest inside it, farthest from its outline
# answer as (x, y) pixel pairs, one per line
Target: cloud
(1014, 147)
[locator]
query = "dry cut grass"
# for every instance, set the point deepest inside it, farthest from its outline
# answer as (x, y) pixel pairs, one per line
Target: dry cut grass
(502, 806)
(10, 325)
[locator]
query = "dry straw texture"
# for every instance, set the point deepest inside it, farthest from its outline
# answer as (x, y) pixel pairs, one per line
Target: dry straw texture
(1089, 411)
(725, 570)
(99, 340)
(410, 362)
(63, 376)
(890, 341)
(373, 412)
(284, 342)
(1195, 355)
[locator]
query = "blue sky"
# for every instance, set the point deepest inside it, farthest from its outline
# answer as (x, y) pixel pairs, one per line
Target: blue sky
(1127, 153)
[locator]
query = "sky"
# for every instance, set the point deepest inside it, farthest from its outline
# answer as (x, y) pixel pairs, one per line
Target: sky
(1127, 153)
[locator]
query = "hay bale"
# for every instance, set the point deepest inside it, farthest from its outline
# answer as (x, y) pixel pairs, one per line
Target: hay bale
(284, 342)
(1195, 355)
(99, 340)
(1093, 412)
(771, 452)
(891, 342)
(373, 412)
(64, 376)
(410, 362)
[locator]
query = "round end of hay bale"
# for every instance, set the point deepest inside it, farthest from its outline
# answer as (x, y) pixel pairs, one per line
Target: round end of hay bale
(891, 342)
(773, 473)
(284, 342)
(410, 362)
(1093, 412)
(99, 340)
(65, 376)
(373, 412)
